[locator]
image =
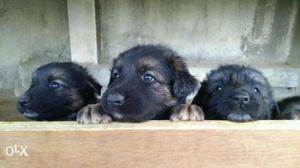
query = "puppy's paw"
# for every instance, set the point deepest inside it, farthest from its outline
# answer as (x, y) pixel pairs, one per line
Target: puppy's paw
(91, 114)
(187, 112)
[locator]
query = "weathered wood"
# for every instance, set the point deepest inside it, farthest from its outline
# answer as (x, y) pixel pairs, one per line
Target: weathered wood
(153, 144)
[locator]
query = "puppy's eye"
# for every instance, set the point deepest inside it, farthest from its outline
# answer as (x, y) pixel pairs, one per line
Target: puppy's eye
(256, 90)
(148, 78)
(54, 85)
(219, 88)
(116, 74)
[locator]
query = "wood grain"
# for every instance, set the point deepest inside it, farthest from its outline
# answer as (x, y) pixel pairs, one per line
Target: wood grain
(153, 144)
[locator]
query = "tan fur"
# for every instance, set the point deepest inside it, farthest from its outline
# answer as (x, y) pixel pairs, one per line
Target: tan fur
(91, 114)
(178, 64)
(187, 112)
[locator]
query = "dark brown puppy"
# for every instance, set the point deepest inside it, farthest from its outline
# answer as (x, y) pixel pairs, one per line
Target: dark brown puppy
(58, 91)
(147, 82)
(289, 108)
(236, 93)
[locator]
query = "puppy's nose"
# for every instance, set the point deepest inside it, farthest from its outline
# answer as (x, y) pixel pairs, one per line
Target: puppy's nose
(23, 101)
(115, 99)
(241, 98)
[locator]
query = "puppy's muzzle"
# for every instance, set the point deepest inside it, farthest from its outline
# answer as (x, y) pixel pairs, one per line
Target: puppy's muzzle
(23, 106)
(240, 98)
(115, 99)
(239, 117)
(23, 101)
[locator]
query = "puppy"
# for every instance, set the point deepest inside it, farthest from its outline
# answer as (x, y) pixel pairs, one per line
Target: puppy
(58, 91)
(289, 108)
(236, 93)
(147, 82)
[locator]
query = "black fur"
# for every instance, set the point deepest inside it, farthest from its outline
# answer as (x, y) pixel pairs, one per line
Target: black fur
(146, 83)
(58, 91)
(289, 108)
(236, 93)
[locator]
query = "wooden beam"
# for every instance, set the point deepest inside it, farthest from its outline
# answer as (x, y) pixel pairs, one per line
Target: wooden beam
(151, 144)
(82, 28)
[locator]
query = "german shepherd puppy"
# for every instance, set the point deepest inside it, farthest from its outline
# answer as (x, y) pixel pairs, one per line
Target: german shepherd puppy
(148, 82)
(236, 93)
(58, 91)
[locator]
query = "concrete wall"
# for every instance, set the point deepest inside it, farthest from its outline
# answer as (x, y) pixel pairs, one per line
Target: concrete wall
(82, 30)
(294, 57)
(262, 33)
(32, 32)
(206, 31)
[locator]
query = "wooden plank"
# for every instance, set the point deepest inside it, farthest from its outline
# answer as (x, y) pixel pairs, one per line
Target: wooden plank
(152, 144)
(82, 27)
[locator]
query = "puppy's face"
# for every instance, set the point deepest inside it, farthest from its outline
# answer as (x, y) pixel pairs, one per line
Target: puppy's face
(237, 93)
(145, 83)
(57, 91)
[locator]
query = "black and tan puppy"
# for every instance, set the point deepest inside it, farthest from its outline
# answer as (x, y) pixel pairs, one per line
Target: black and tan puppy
(147, 82)
(236, 93)
(289, 108)
(58, 91)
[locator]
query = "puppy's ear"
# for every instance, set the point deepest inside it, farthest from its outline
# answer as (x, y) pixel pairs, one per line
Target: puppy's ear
(275, 111)
(184, 83)
(201, 97)
(95, 85)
